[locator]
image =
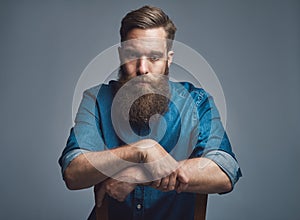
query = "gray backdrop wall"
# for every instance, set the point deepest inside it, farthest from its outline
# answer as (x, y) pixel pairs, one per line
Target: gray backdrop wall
(253, 46)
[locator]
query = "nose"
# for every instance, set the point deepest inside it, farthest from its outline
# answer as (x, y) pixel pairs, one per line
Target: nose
(142, 66)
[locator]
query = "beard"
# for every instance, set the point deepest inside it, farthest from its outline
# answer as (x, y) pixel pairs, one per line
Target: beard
(143, 96)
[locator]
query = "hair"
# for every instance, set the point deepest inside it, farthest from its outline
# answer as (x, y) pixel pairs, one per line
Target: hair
(148, 17)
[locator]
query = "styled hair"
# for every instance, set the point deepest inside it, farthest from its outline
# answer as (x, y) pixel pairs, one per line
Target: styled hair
(148, 17)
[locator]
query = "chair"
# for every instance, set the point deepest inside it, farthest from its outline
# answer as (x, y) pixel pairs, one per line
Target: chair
(200, 208)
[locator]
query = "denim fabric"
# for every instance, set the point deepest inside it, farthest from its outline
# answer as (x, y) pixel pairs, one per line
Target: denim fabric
(192, 128)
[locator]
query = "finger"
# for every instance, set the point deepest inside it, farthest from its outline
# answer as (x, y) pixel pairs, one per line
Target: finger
(164, 183)
(99, 196)
(178, 189)
(156, 183)
(172, 181)
(182, 187)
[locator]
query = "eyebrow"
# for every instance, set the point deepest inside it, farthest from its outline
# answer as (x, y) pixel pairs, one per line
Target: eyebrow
(135, 51)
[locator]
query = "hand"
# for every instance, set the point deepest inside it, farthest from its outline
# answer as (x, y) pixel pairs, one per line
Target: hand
(182, 181)
(177, 180)
(120, 185)
(157, 161)
(114, 188)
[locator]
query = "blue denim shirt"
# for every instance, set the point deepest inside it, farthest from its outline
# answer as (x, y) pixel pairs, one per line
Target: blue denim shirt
(193, 129)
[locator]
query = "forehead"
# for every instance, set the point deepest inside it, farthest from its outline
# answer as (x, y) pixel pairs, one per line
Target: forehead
(146, 39)
(146, 33)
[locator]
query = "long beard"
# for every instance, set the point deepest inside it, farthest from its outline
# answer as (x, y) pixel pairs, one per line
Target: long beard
(145, 96)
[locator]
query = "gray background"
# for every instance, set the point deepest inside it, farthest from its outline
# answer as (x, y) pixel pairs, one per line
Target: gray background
(253, 46)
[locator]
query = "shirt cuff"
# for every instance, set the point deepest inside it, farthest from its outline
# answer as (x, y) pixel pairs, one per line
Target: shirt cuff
(227, 163)
(71, 155)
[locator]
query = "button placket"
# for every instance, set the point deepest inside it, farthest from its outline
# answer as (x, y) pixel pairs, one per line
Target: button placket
(138, 203)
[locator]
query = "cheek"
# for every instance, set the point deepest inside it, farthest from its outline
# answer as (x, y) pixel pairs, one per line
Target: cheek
(159, 68)
(130, 68)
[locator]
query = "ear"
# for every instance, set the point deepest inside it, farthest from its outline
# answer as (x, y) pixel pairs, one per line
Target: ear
(170, 57)
(120, 54)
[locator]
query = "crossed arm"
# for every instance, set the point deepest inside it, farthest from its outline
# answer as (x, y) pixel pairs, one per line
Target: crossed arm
(158, 169)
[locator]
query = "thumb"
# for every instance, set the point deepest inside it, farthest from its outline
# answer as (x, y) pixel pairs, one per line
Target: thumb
(182, 177)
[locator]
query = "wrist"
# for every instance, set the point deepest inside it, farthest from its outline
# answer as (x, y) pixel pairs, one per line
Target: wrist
(142, 148)
(137, 153)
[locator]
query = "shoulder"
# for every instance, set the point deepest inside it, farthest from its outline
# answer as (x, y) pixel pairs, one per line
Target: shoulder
(185, 89)
(100, 89)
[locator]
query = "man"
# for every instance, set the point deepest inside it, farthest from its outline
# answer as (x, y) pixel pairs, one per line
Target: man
(147, 144)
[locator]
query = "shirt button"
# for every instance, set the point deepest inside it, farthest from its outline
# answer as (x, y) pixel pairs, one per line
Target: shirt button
(139, 206)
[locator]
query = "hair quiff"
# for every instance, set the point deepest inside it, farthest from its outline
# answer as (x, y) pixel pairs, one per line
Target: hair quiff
(147, 17)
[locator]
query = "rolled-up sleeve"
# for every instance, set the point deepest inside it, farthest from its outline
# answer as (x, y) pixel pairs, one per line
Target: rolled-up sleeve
(85, 136)
(227, 163)
(212, 140)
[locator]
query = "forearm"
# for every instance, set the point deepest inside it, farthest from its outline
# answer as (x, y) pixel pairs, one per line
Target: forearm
(91, 168)
(205, 176)
(134, 174)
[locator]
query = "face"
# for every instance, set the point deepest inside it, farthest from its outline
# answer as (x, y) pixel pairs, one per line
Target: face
(145, 63)
(144, 52)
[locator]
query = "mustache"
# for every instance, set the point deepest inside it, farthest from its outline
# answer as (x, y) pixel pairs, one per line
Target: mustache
(149, 78)
(156, 81)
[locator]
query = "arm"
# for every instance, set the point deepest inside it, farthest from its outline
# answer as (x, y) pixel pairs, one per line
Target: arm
(214, 172)
(204, 176)
(213, 168)
(198, 175)
(90, 168)
(159, 170)
(85, 161)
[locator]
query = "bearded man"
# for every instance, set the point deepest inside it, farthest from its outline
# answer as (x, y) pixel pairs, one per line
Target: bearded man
(148, 144)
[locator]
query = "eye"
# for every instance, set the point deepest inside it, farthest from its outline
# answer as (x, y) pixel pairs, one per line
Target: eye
(154, 58)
